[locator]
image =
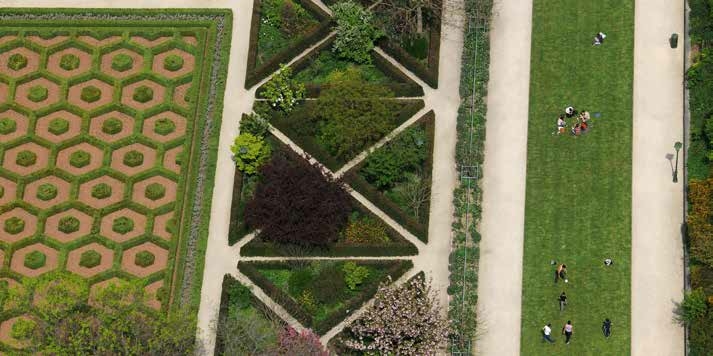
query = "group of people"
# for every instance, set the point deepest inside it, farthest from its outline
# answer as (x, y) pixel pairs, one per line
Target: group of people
(568, 329)
(580, 125)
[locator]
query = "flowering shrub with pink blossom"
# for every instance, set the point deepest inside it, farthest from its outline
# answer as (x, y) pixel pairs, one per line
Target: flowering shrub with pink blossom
(305, 343)
(403, 320)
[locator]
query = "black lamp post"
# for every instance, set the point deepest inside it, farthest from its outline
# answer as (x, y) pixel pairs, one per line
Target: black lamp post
(677, 146)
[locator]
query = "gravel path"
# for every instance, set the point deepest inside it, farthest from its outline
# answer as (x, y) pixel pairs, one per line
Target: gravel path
(503, 220)
(657, 203)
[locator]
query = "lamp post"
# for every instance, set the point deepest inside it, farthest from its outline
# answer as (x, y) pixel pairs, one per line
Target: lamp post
(677, 146)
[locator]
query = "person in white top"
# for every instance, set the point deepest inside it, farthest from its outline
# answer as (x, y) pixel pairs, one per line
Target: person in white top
(599, 39)
(546, 332)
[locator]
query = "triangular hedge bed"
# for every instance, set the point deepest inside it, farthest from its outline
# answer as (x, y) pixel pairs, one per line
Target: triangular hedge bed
(308, 70)
(356, 179)
(255, 71)
(295, 126)
(279, 281)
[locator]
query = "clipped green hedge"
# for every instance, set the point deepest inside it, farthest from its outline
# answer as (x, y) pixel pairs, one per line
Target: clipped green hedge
(122, 62)
(17, 61)
(26, 158)
(58, 126)
(164, 126)
(91, 94)
(68, 224)
(7, 126)
(122, 225)
(143, 94)
(14, 225)
(38, 93)
(144, 259)
(101, 191)
(155, 191)
(69, 62)
(79, 159)
(112, 126)
(133, 158)
(90, 259)
(35, 260)
(173, 63)
(46, 192)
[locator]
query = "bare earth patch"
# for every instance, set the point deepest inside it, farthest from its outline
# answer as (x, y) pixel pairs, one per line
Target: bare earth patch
(128, 260)
(17, 263)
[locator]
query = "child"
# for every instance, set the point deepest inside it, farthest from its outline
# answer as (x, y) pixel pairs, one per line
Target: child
(576, 130)
(561, 125)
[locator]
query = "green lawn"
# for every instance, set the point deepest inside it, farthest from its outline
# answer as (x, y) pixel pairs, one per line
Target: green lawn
(578, 205)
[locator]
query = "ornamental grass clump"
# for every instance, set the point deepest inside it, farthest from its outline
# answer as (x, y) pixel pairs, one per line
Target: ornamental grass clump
(404, 320)
(282, 91)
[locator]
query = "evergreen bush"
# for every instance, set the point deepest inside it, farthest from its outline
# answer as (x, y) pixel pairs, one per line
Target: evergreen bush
(26, 158)
(143, 94)
(69, 62)
(155, 191)
(46, 192)
(173, 63)
(122, 62)
(133, 158)
(7, 126)
(122, 225)
(14, 225)
(164, 126)
(79, 159)
(250, 152)
(35, 260)
(101, 191)
(68, 224)
(144, 259)
(91, 94)
(17, 61)
(112, 126)
(38, 93)
(58, 126)
(90, 259)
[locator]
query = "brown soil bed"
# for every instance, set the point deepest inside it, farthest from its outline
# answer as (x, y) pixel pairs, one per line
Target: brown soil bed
(160, 260)
(17, 263)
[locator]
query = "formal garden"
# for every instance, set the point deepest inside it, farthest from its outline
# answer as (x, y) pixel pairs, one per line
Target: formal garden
(108, 136)
(331, 195)
(578, 188)
(697, 308)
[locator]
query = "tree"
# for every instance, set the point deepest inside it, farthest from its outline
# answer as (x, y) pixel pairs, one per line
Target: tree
(356, 32)
(355, 115)
(250, 152)
(282, 91)
(295, 203)
(403, 320)
(406, 17)
(254, 124)
(416, 193)
(116, 323)
(306, 343)
(390, 164)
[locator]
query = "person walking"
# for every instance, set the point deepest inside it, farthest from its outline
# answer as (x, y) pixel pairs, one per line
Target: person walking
(563, 301)
(567, 330)
(606, 328)
(561, 272)
(546, 332)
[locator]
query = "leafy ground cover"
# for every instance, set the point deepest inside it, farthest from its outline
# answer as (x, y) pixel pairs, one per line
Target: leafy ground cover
(578, 200)
(118, 190)
(320, 293)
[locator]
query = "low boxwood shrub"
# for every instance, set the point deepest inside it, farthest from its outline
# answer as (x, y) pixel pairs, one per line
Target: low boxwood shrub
(7, 126)
(90, 259)
(46, 192)
(143, 94)
(144, 259)
(68, 224)
(122, 62)
(69, 62)
(101, 191)
(58, 126)
(14, 225)
(91, 94)
(23, 329)
(133, 158)
(79, 159)
(122, 225)
(173, 63)
(155, 191)
(164, 126)
(26, 158)
(17, 61)
(35, 260)
(38, 93)
(112, 126)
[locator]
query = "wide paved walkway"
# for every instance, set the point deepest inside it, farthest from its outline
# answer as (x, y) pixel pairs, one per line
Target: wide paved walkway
(657, 203)
(503, 220)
